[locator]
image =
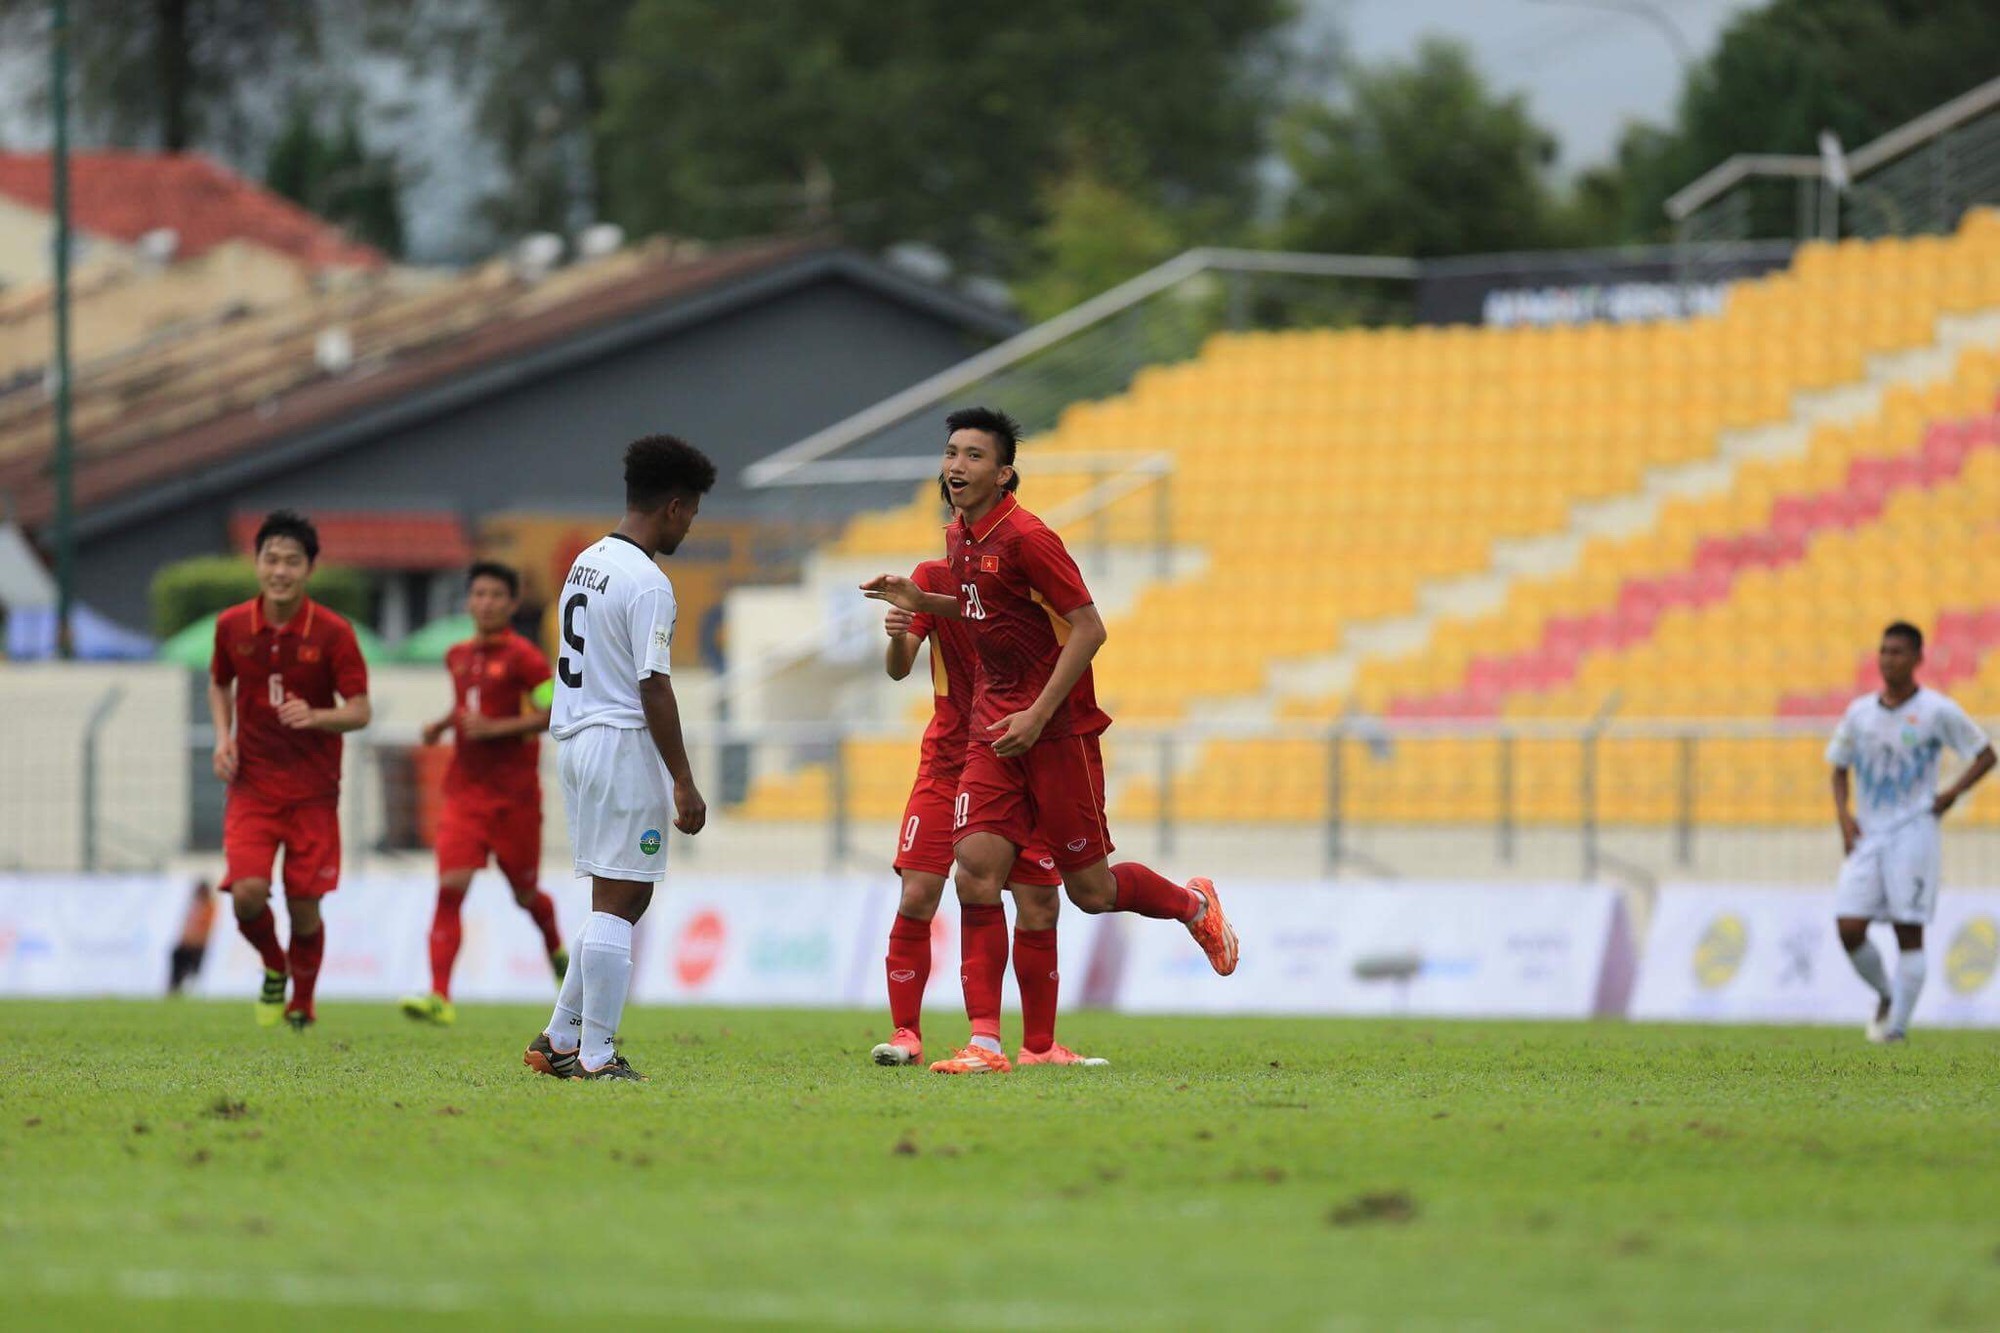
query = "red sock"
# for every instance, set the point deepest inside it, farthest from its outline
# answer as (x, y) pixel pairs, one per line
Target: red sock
(982, 950)
(542, 909)
(447, 930)
(262, 932)
(909, 968)
(306, 952)
(1150, 894)
(1035, 971)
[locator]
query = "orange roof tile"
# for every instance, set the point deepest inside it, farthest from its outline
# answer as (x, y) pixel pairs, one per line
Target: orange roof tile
(387, 539)
(124, 195)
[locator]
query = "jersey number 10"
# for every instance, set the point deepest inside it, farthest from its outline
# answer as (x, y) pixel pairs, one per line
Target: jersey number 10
(572, 633)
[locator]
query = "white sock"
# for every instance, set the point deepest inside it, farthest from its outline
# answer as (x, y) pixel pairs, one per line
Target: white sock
(605, 952)
(988, 1044)
(565, 1029)
(1868, 963)
(1909, 985)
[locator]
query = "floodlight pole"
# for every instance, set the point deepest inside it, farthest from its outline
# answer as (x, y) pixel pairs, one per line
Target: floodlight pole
(65, 525)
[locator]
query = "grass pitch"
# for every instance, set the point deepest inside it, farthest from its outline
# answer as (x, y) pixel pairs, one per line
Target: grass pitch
(173, 1166)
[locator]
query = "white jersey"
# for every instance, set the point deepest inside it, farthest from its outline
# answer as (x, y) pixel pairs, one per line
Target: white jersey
(1894, 754)
(617, 629)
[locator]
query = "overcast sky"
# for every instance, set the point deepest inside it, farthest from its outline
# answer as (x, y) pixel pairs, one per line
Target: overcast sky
(1585, 71)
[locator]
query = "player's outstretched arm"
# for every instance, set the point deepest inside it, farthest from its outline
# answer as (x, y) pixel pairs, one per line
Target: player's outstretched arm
(1017, 732)
(663, 722)
(1981, 765)
(222, 714)
(900, 591)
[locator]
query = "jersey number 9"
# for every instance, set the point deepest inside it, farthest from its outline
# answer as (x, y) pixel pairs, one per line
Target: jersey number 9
(572, 633)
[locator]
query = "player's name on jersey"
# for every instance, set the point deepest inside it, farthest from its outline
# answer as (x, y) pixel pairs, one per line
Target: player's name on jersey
(591, 580)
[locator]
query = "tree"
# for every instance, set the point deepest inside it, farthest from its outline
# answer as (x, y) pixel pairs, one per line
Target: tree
(1096, 236)
(1418, 159)
(946, 124)
(337, 178)
(174, 74)
(1783, 73)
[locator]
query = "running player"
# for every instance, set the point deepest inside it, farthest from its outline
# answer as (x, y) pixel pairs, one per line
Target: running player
(493, 790)
(618, 731)
(1891, 741)
(285, 683)
(1034, 763)
(923, 859)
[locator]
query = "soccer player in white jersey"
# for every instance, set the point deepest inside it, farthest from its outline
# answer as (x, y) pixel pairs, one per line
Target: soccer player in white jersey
(618, 737)
(1891, 742)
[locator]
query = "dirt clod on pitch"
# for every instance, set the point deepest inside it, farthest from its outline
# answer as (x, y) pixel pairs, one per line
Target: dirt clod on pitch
(1382, 1206)
(228, 1108)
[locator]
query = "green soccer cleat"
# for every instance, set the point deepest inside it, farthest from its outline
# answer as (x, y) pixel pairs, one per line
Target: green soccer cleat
(617, 1071)
(271, 1000)
(430, 1009)
(559, 960)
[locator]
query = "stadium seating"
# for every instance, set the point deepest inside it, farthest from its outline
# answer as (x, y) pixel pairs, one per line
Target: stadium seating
(1327, 475)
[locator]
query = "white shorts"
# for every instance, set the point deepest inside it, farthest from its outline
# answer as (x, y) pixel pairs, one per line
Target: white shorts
(619, 802)
(1892, 876)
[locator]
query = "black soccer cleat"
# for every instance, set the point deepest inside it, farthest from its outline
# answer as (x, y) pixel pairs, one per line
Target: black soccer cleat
(544, 1058)
(617, 1070)
(298, 1020)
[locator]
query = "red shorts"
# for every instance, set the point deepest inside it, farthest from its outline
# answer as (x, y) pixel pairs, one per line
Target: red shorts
(254, 827)
(1054, 792)
(470, 829)
(924, 844)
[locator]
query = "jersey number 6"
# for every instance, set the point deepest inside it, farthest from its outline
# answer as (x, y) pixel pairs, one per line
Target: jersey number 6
(572, 634)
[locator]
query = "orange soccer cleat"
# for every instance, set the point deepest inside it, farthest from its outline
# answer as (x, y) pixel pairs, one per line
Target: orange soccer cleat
(905, 1048)
(1211, 929)
(974, 1060)
(1058, 1054)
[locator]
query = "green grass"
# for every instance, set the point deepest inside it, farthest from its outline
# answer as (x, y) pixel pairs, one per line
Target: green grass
(171, 1165)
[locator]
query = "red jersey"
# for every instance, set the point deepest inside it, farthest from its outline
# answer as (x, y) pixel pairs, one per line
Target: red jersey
(1016, 582)
(315, 656)
(954, 678)
(495, 677)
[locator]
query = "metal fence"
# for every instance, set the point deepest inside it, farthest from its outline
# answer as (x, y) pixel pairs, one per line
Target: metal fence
(1639, 801)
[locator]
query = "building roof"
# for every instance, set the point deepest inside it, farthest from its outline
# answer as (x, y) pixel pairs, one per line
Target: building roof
(124, 195)
(378, 539)
(250, 395)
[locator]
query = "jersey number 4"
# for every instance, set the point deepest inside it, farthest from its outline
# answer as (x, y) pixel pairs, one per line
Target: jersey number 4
(572, 633)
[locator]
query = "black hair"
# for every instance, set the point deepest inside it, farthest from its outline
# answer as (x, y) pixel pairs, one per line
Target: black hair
(493, 569)
(658, 467)
(289, 523)
(1903, 629)
(1004, 429)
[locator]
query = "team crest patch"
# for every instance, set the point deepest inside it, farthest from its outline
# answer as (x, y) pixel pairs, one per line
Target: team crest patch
(244, 648)
(989, 564)
(649, 842)
(309, 652)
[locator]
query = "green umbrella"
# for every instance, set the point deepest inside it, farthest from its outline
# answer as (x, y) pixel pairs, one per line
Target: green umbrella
(430, 643)
(195, 645)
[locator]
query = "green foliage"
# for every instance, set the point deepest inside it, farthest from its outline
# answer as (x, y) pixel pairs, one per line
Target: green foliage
(187, 590)
(195, 1171)
(1096, 236)
(1783, 73)
(335, 177)
(1419, 159)
(947, 124)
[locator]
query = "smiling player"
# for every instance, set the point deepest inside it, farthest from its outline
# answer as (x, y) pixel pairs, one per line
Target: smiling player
(1034, 764)
(285, 683)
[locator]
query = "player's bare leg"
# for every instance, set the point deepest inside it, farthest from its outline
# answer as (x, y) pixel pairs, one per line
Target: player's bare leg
(1036, 910)
(984, 862)
(1131, 887)
(1867, 961)
(308, 946)
(908, 967)
(251, 901)
(447, 932)
(1910, 970)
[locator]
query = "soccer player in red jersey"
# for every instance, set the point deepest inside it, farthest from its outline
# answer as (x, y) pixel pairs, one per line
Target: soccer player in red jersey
(492, 791)
(924, 856)
(286, 682)
(1034, 764)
